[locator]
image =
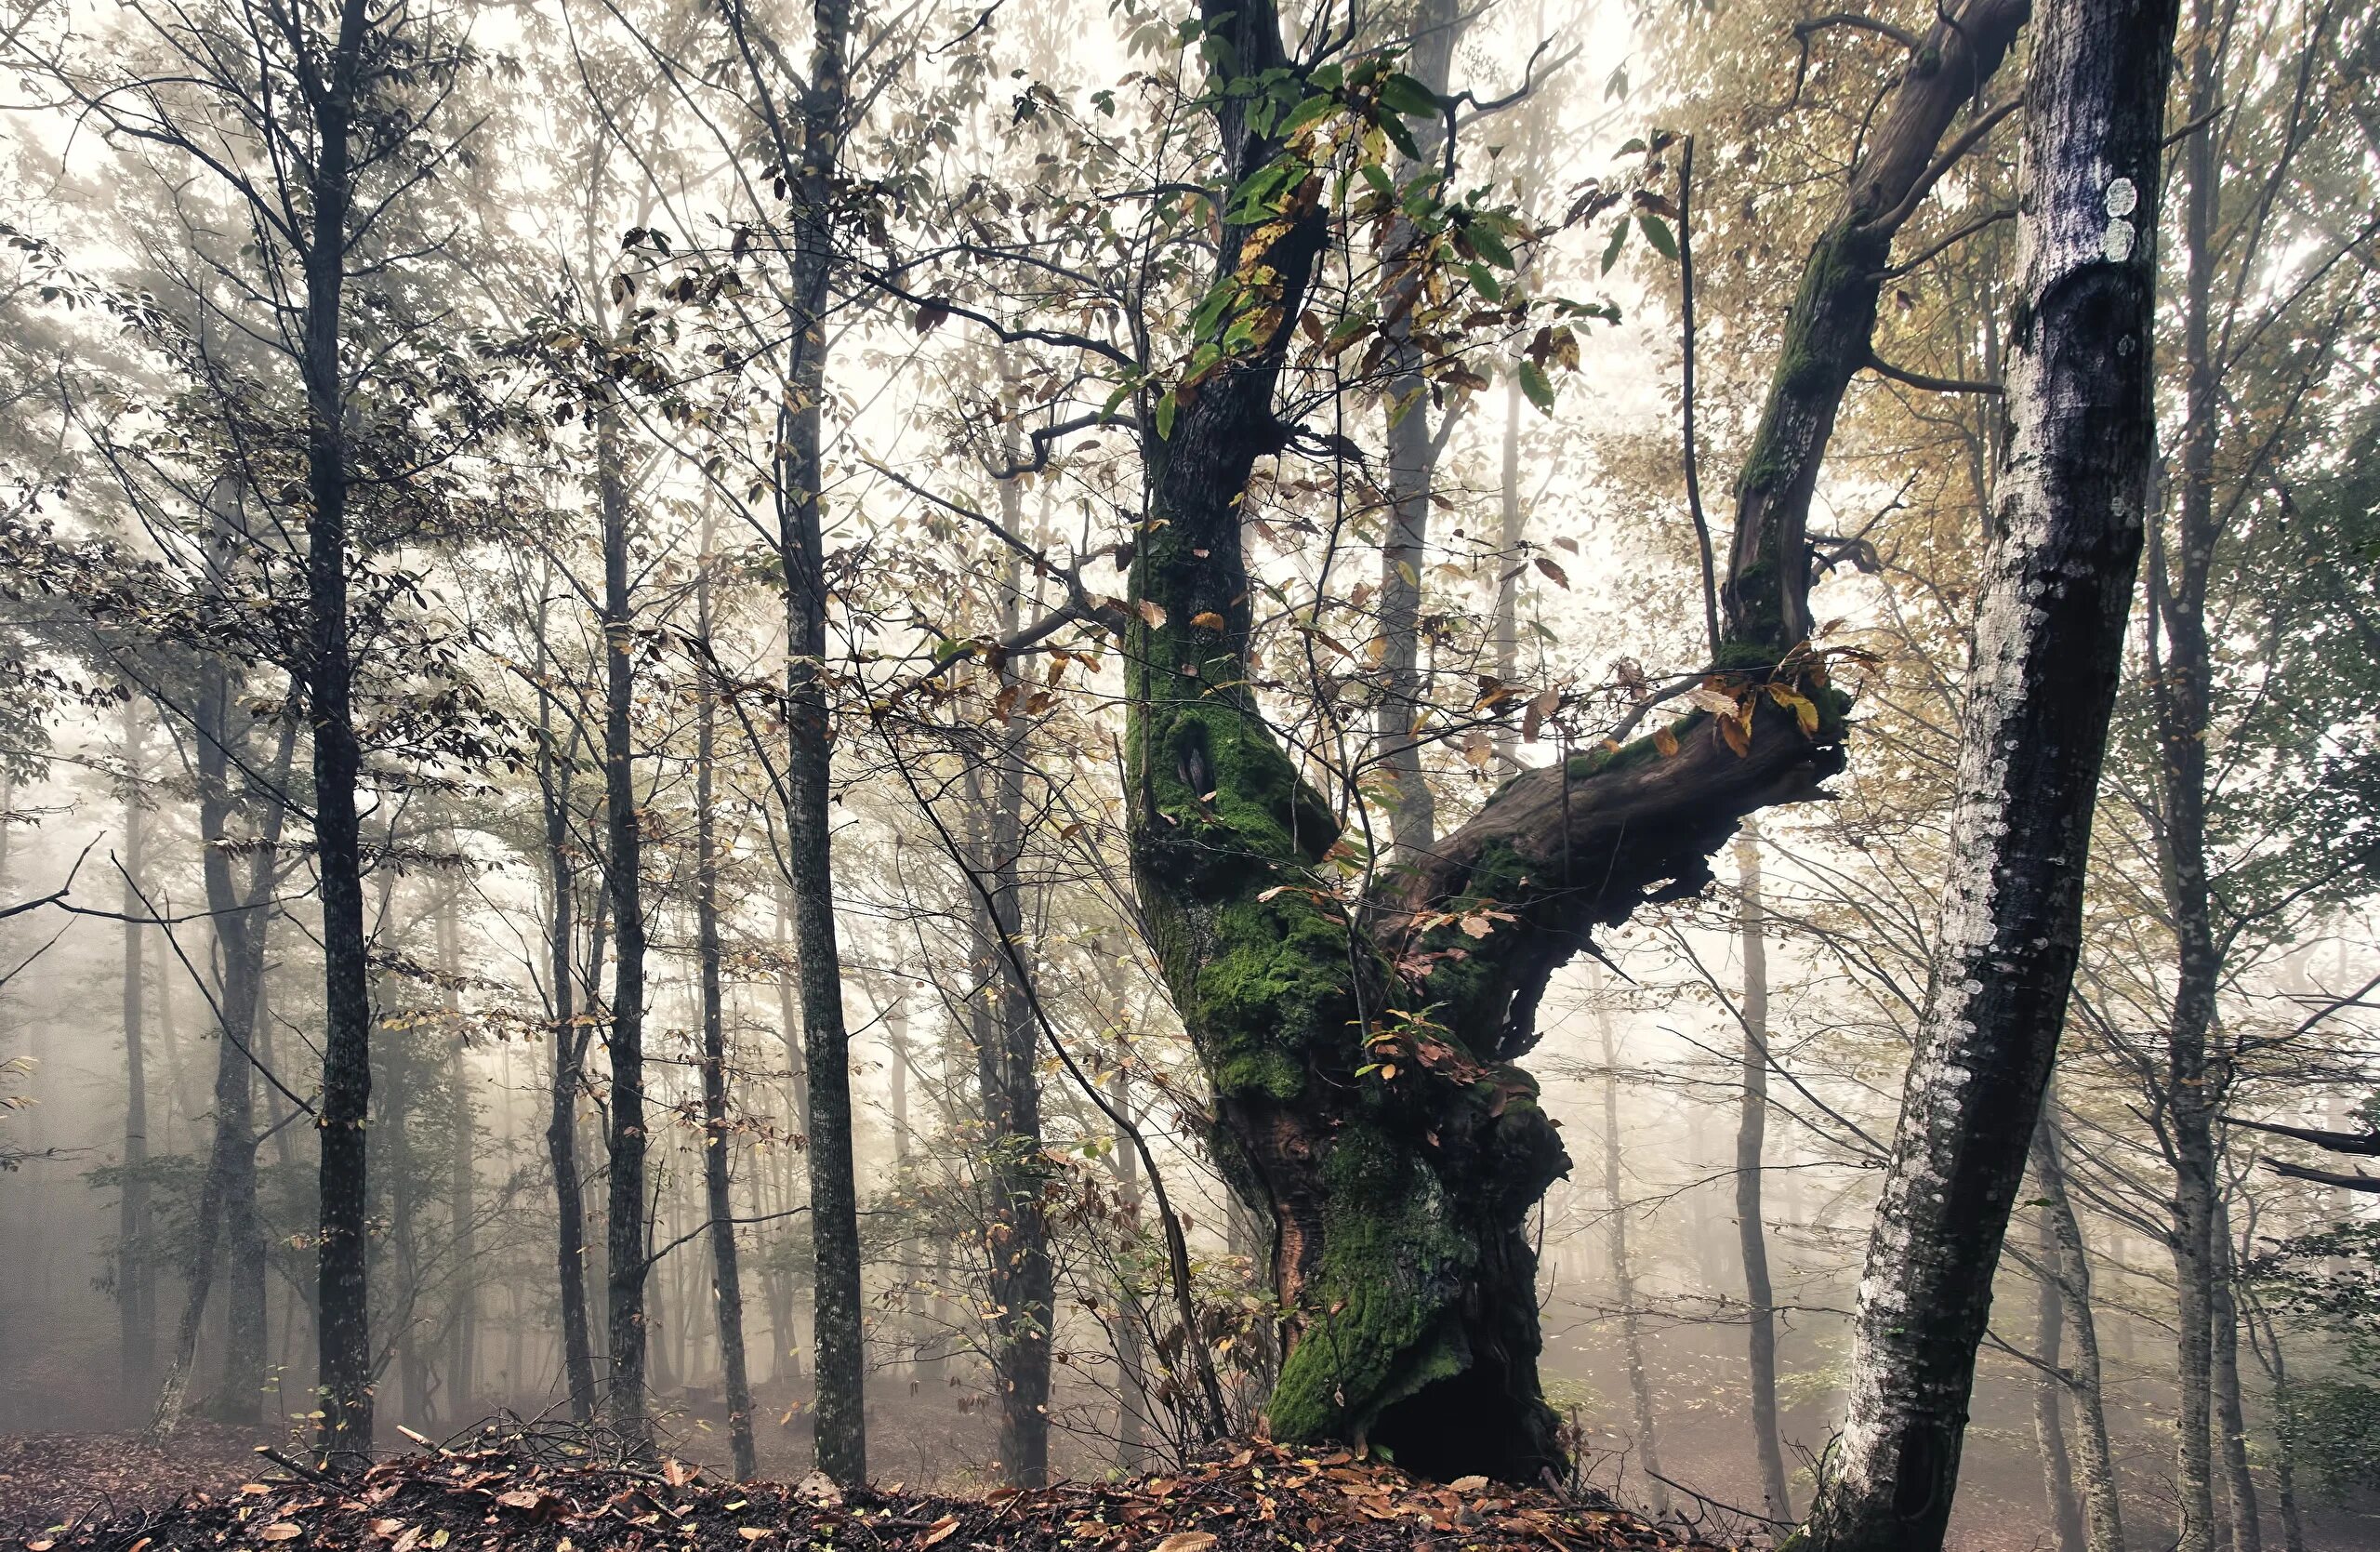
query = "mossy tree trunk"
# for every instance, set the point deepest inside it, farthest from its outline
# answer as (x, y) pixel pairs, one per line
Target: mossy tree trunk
(1362, 1054)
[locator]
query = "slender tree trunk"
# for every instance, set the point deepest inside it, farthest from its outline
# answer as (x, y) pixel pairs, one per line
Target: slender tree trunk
(569, 1040)
(2056, 581)
(342, 1307)
(623, 870)
(1131, 1358)
(2095, 1456)
(136, 1268)
(726, 1282)
(2181, 691)
(227, 1198)
(1512, 528)
(462, 1207)
(2230, 1412)
(1412, 460)
(2265, 1342)
(1017, 1249)
(1624, 1278)
(2049, 1397)
(840, 1417)
(1752, 1225)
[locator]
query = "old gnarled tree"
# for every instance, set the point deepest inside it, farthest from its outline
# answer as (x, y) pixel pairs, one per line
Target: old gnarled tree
(1398, 1206)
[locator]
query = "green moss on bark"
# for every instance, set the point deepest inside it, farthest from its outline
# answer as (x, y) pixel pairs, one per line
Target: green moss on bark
(1382, 1323)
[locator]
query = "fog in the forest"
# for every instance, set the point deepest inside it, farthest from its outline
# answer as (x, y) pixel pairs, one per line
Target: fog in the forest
(750, 569)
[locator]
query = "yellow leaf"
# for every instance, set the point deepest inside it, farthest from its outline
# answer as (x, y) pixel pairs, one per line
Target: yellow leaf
(1665, 741)
(1186, 1541)
(1209, 620)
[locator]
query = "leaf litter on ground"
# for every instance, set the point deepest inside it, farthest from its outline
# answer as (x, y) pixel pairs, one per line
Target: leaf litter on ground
(512, 1491)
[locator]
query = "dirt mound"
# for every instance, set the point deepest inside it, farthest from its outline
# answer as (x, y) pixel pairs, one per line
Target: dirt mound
(529, 1493)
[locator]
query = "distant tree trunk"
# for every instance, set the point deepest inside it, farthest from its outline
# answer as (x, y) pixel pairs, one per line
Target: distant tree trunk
(2265, 1342)
(136, 1268)
(462, 1209)
(1623, 1276)
(726, 1282)
(1131, 1358)
(1512, 528)
(1412, 460)
(2230, 1411)
(1017, 1249)
(227, 1197)
(2049, 634)
(840, 1417)
(2049, 1397)
(570, 1041)
(2073, 1266)
(624, 1042)
(1752, 1226)
(342, 1304)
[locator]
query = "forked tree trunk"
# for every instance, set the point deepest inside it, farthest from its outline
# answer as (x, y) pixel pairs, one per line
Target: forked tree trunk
(1399, 1161)
(1752, 1225)
(2056, 590)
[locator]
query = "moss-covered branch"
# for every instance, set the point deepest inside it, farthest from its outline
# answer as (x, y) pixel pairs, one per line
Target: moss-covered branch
(1830, 331)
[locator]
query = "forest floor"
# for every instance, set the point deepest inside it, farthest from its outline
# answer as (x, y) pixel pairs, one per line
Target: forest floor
(535, 1490)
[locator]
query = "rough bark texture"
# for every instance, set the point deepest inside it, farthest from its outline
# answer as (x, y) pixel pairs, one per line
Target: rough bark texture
(624, 1032)
(2056, 583)
(1752, 1227)
(342, 1306)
